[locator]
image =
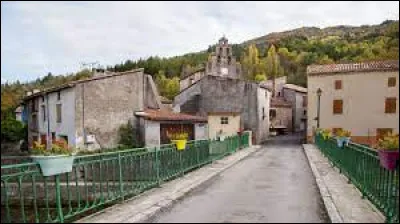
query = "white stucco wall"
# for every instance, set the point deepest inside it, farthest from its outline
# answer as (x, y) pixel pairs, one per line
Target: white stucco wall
(214, 124)
(67, 125)
(152, 133)
(200, 131)
(363, 96)
(263, 99)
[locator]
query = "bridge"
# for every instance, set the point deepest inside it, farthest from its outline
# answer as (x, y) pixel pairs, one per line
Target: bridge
(211, 181)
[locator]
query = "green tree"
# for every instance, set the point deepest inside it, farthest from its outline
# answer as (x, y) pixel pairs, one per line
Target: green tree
(12, 130)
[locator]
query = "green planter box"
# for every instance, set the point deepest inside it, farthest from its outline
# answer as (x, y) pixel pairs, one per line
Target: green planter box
(53, 165)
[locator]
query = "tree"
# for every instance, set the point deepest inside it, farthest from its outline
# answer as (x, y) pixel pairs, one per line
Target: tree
(251, 64)
(12, 130)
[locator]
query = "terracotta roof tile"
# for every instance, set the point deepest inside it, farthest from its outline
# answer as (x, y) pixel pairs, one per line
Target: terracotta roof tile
(388, 65)
(164, 115)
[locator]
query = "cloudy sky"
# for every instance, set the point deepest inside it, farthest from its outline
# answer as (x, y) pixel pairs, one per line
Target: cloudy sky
(42, 37)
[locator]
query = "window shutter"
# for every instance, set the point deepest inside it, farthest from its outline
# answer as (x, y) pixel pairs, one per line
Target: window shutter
(392, 82)
(390, 105)
(337, 106)
(338, 84)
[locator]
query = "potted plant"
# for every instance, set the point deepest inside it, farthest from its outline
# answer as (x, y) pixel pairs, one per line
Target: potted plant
(59, 159)
(343, 136)
(388, 151)
(326, 133)
(180, 139)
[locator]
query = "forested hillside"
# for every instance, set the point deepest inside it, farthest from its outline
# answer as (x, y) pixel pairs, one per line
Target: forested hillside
(276, 54)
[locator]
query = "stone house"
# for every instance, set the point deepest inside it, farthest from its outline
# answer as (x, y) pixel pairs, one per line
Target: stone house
(229, 105)
(88, 113)
(280, 113)
(293, 94)
(297, 96)
(360, 97)
(220, 63)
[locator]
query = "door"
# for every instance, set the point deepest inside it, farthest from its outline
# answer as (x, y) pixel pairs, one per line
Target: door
(173, 128)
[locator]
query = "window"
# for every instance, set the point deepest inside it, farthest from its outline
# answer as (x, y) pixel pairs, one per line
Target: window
(305, 112)
(337, 106)
(58, 112)
(272, 113)
(279, 93)
(42, 98)
(390, 105)
(58, 95)
(263, 113)
(34, 123)
(219, 59)
(43, 112)
(392, 82)
(229, 60)
(224, 120)
(335, 130)
(338, 84)
(304, 101)
(381, 132)
(53, 136)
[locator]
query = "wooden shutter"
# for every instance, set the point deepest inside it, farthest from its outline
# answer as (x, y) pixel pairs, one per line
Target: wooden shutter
(392, 82)
(338, 84)
(390, 105)
(58, 111)
(337, 106)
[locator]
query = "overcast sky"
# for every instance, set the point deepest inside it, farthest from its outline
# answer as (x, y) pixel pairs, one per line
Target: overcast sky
(42, 37)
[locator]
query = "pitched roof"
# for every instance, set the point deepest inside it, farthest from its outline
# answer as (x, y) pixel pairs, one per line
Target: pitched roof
(295, 87)
(73, 83)
(371, 66)
(164, 115)
(280, 102)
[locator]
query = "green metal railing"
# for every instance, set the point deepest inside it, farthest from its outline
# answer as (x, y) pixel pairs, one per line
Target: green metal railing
(100, 180)
(360, 164)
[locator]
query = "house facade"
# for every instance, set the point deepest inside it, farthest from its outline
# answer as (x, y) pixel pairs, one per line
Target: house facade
(297, 96)
(280, 113)
(88, 113)
(227, 102)
(361, 97)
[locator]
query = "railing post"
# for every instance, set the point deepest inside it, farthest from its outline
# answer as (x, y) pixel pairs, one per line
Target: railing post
(121, 187)
(158, 166)
(58, 200)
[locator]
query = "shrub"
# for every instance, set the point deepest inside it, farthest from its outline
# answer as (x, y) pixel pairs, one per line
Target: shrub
(388, 142)
(127, 136)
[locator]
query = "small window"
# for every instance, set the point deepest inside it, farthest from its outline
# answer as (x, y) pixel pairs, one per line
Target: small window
(279, 93)
(53, 136)
(337, 106)
(263, 113)
(224, 120)
(58, 113)
(58, 95)
(44, 112)
(305, 112)
(272, 113)
(42, 98)
(392, 82)
(381, 132)
(338, 84)
(390, 105)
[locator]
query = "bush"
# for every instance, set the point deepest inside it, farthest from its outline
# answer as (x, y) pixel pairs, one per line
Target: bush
(12, 130)
(127, 136)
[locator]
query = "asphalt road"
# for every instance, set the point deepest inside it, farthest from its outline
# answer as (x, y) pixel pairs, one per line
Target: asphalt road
(275, 184)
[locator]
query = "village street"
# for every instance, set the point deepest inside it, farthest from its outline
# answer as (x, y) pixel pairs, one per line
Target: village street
(275, 184)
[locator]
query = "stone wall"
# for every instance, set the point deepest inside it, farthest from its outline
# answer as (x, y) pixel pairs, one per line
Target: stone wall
(103, 105)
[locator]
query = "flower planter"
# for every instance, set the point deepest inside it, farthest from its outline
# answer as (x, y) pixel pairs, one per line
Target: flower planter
(342, 141)
(180, 144)
(388, 158)
(53, 165)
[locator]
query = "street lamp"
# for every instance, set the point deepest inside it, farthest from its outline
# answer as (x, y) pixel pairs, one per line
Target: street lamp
(319, 92)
